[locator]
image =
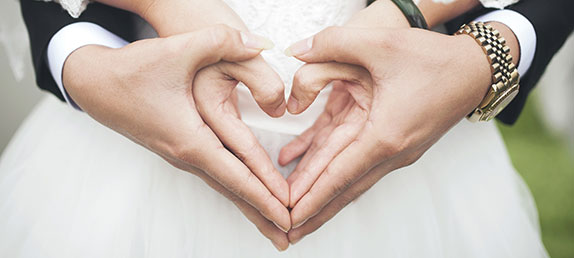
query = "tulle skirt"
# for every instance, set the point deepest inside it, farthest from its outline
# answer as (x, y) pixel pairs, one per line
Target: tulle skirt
(70, 187)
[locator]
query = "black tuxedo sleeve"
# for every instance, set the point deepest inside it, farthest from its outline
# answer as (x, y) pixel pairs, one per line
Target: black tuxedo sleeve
(553, 23)
(44, 19)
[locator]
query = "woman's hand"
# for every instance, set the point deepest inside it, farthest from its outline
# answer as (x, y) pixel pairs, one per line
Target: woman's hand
(145, 92)
(414, 87)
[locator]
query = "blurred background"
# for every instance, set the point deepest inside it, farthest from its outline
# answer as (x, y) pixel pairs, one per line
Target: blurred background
(541, 143)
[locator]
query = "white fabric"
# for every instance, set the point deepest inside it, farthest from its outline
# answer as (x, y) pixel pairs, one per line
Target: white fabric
(72, 37)
(74, 7)
(69, 187)
(285, 22)
(523, 30)
(499, 4)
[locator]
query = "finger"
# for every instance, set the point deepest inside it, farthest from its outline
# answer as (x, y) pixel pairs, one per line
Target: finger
(342, 172)
(301, 143)
(212, 101)
(337, 204)
(310, 79)
(356, 190)
(338, 98)
(338, 140)
(220, 42)
(230, 172)
(339, 44)
(263, 82)
(266, 227)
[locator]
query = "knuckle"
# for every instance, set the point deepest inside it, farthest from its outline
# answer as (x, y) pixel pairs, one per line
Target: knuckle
(332, 31)
(184, 153)
(390, 146)
(388, 40)
(247, 151)
(219, 35)
(306, 78)
(411, 159)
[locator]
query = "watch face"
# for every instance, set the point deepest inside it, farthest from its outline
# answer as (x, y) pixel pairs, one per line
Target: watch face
(504, 100)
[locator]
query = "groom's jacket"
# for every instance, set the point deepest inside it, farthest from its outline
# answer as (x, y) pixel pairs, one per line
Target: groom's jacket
(551, 20)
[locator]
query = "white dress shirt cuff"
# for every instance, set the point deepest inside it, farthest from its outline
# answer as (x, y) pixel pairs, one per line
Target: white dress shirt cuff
(524, 31)
(72, 37)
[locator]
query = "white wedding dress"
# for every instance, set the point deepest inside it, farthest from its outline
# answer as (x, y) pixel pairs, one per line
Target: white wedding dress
(70, 187)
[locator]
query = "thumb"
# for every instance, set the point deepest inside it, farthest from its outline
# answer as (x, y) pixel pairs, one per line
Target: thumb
(263, 82)
(219, 43)
(311, 78)
(340, 44)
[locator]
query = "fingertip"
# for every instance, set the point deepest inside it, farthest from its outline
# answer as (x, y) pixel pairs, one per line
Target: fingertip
(280, 111)
(284, 221)
(299, 48)
(293, 105)
(285, 156)
(294, 236)
(256, 42)
(282, 243)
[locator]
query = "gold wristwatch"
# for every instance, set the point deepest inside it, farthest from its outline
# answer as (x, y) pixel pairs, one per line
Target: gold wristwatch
(505, 76)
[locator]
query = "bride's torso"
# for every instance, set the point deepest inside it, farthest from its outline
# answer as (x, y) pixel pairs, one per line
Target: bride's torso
(285, 22)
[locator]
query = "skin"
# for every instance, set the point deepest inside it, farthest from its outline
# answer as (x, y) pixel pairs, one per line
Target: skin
(265, 85)
(314, 192)
(360, 137)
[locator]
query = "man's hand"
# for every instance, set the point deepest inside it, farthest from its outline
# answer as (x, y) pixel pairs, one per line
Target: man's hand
(414, 87)
(144, 91)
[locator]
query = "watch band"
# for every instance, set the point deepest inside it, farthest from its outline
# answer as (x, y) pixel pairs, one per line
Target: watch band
(412, 13)
(505, 76)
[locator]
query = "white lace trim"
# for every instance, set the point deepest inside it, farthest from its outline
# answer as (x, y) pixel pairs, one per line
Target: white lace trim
(499, 4)
(74, 7)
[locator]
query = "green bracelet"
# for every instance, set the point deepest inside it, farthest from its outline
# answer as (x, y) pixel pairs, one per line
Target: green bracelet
(412, 13)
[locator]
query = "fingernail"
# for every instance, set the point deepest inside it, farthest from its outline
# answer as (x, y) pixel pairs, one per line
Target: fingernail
(251, 40)
(279, 227)
(278, 247)
(292, 105)
(300, 47)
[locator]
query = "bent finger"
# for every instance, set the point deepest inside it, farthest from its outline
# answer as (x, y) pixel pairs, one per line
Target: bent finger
(310, 79)
(220, 42)
(219, 113)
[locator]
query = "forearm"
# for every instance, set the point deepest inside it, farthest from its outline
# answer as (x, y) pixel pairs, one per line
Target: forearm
(385, 13)
(170, 17)
(437, 13)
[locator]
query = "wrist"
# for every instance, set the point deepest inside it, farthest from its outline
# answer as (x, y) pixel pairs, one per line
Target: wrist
(475, 69)
(82, 68)
(437, 12)
(189, 15)
(511, 40)
(382, 13)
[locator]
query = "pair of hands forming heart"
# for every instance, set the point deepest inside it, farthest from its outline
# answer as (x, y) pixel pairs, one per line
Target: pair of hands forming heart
(395, 93)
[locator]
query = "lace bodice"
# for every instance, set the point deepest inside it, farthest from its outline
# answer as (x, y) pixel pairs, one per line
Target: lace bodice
(285, 22)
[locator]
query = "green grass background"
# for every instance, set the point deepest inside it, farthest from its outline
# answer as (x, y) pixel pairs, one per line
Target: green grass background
(547, 165)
